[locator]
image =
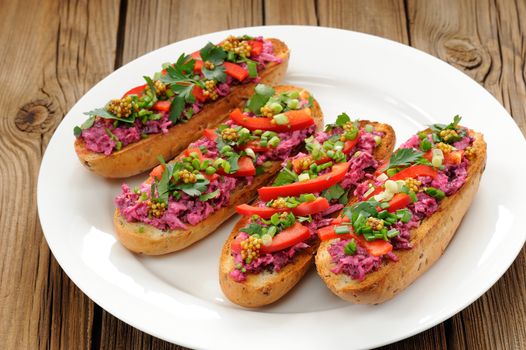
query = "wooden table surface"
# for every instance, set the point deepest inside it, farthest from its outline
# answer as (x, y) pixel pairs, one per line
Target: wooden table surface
(52, 52)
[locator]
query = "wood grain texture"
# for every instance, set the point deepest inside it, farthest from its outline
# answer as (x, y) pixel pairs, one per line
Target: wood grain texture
(52, 56)
(153, 24)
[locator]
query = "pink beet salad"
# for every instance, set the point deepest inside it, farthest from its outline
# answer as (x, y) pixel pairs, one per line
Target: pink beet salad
(177, 93)
(429, 167)
(201, 180)
(309, 190)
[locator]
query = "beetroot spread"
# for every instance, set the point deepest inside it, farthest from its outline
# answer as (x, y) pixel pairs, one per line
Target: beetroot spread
(434, 165)
(361, 165)
(147, 109)
(201, 180)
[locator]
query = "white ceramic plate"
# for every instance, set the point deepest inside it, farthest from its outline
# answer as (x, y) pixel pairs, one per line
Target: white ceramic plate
(177, 297)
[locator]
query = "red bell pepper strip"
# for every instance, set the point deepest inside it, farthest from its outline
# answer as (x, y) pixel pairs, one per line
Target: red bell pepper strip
(452, 158)
(157, 172)
(235, 71)
(298, 119)
(210, 134)
(255, 146)
(414, 171)
(377, 247)
(306, 208)
(198, 66)
(257, 47)
(235, 245)
(399, 201)
(293, 235)
(246, 168)
(349, 145)
(135, 91)
(263, 212)
(326, 233)
(187, 152)
(318, 184)
(198, 94)
(161, 106)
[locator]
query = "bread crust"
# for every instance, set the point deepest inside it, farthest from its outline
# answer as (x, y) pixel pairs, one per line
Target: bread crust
(146, 239)
(429, 241)
(267, 287)
(140, 156)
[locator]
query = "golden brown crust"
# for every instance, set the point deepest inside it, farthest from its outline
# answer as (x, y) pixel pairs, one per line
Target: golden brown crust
(267, 287)
(429, 241)
(146, 239)
(143, 155)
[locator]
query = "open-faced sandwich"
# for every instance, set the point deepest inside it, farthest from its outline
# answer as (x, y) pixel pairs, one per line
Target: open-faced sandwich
(273, 244)
(405, 217)
(172, 108)
(188, 198)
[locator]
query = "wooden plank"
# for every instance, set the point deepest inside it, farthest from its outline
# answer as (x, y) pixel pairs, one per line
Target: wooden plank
(153, 24)
(50, 55)
(485, 40)
(385, 18)
(291, 12)
(148, 26)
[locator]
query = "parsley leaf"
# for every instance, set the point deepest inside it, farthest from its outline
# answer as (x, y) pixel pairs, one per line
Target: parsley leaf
(213, 54)
(103, 113)
(333, 192)
(218, 73)
(404, 157)
(176, 109)
(253, 229)
(77, 131)
(208, 196)
(261, 96)
(194, 189)
(285, 177)
(233, 160)
(185, 91)
(342, 119)
(453, 125)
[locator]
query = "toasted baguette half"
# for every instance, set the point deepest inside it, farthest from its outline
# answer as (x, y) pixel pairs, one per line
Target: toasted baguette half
(140, 156)
(146, 239)
(267, 287)
(429, 241)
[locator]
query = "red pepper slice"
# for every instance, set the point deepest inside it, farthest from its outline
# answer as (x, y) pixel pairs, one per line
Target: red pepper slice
(135, 91)
(255, 146)
(157, 172)
(293, 235)
(349, 145)
(377, 247)
(306, 208)
(299, 119)
(309, 186)
(264, 212)
(210, 134)
(235, 71)
(399, 201)
(257, 47)
(198, 94)
(161, 106)
(452, 158)
(415, 171)
(187, 152)
(246, 168)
